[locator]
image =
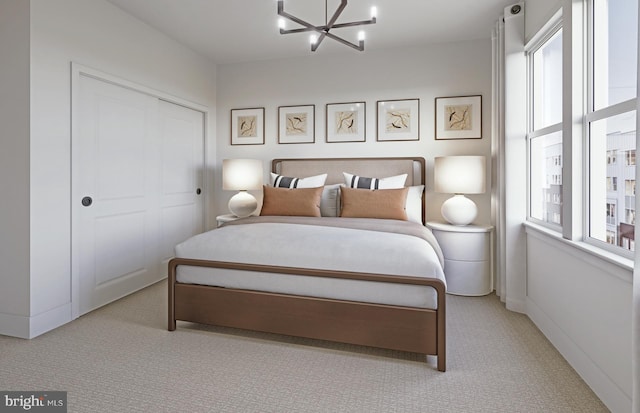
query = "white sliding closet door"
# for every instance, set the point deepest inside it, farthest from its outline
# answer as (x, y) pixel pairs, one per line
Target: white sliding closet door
(182, 214)
(137, 166)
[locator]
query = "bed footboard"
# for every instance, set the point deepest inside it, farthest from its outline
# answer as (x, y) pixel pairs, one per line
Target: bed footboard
(393, 327)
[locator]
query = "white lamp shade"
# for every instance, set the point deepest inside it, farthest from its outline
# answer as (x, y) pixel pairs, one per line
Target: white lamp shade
(460, 174)
(241, 174)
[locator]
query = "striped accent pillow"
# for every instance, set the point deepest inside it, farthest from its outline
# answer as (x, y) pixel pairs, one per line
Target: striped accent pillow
(279, 181)
(361, 182)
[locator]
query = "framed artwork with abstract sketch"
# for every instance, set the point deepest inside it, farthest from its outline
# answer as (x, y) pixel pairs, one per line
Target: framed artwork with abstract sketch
(296, 124)
(346, 122)
(459, 117)
(247, 126)
(398, 120)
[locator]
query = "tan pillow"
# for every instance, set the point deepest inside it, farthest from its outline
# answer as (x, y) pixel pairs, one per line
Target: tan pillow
(381, 203)
(303, 202)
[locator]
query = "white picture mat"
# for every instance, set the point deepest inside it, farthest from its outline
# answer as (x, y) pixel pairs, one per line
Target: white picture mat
(333, 111)
(256, 138)
(476, 117)
(309, 136)
(412, 133)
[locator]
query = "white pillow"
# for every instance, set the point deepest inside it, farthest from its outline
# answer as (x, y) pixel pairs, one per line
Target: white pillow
(330, 201)
(392, 182)
(289, 182)
(413, 206)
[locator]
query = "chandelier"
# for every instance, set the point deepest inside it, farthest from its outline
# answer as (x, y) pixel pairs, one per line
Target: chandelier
(320, 32)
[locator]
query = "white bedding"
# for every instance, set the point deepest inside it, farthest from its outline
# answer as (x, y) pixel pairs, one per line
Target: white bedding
(321, 247)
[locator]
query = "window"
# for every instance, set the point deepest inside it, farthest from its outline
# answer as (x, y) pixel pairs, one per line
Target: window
(545, 134)
(611, 213)
(630, 187)
(611, 120)
(630, 216)
(630, 157)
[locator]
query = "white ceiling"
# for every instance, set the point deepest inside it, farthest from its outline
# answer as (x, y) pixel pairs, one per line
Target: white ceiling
(229, 31)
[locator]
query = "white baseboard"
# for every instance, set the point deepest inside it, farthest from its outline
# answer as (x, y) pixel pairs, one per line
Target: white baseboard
(31, 327)
(610, 394)
(49, 320)
(518, 306)
(14, 325)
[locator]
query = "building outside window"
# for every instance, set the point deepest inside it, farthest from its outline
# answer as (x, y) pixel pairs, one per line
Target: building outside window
(611, 120)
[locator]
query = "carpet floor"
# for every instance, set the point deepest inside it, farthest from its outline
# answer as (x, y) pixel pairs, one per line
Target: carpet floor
(121, 358)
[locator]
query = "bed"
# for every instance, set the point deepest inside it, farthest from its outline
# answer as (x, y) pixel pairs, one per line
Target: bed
(256, 273)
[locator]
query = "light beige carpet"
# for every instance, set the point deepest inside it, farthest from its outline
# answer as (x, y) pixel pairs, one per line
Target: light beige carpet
(121, 358)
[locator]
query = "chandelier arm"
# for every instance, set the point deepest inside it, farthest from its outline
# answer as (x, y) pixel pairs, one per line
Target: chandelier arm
(322, 28)
(330, 23)
(359, 46)
(308, 26)
(351, 24)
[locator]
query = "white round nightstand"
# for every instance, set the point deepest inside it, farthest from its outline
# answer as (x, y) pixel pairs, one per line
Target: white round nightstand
(468, 264)
(221, 219)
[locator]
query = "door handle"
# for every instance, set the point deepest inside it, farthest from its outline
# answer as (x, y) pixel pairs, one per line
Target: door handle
(87, 201)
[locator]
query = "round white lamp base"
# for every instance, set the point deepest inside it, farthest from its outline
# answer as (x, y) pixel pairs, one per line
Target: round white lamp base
(242, 204)
(459, 210)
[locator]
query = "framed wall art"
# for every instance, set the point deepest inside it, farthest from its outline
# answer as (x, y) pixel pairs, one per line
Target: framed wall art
(296, 124)
(459, 117)
(247, 126)
(398, 120)
(346, 122)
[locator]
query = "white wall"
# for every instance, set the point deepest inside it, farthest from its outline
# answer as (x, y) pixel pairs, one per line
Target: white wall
(582, 303)
(96, 34)
(14, 163)
(427, 72)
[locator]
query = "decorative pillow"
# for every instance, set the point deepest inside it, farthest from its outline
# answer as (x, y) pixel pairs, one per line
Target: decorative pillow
(383, 204)
(392, 182)
(291, 202)
(280, 181)
(330, 201)
(413, 206)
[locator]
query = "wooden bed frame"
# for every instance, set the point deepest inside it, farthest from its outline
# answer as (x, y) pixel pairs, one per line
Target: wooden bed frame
(410, 329)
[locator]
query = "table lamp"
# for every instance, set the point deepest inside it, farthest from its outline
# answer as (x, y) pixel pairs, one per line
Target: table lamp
(242, 175)
(459, 175)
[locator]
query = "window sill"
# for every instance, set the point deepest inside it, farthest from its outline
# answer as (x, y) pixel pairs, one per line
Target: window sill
(575, 247)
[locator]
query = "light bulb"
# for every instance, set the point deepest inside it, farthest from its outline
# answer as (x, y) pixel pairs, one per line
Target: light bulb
(281, 23)
(313, 39)
(361, 36)
(374, 12)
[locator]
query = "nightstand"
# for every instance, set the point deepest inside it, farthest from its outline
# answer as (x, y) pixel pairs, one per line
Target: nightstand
(467, 251)
(221, 219)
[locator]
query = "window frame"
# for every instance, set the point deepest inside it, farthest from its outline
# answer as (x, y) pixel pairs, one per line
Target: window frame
(594, 115)
(550, 30)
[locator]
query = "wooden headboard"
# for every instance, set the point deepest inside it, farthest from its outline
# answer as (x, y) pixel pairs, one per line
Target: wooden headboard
(414, 167)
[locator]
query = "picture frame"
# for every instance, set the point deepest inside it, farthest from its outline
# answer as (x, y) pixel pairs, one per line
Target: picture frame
(247, 126)
(346, 122)
(296, 124)
(398, 120)
(458, 117)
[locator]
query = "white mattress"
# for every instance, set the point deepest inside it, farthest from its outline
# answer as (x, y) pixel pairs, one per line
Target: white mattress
(308, 246)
